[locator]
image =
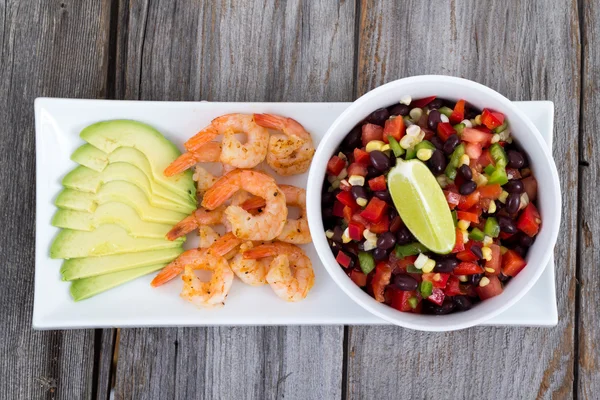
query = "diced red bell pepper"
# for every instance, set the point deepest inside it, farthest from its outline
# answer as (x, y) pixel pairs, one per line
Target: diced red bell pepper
(358, 277)
(395, 128)
(459, 245)
(403, 263)
(371, 132)
(458, 114)
(494, 288)
(345, 186)
(466, 256)
(438, 279)
(383, 273)
(491, 119)
(360, 220)
(467, 202)
(357, 169)
(496, 262)
(378, 184)
(467, 268)
(346, 199)
(355, 230)
(445, 130)
(529, 221)
(338, 209)
(422, 102)
(347, 212)
(491, 192)
(504, 235)
(374, 210)
(453, 287)
(362, 157)
(382, 226)
(452, 198)
(468, 216)
(343, 259)
(473, 135)
(485, 159)
(437, 296)
(400, 300)
(512, 263)
(473, 150)
(335, 165)
(530, 185)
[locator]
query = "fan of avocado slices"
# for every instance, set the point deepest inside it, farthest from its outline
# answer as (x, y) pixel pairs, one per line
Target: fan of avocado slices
(117, 206)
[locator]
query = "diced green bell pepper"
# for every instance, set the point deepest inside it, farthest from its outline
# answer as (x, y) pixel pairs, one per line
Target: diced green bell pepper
(459, 128)
(411, 153)
(446, 111)
(426, 289)
(458, 152)
(413, 302)
(425, 144)
(454, 217)
(498, 176)
(498, 155)
(491, 228)
(395, 146)
(410, 249)
(476, 234)
(411, 269)
(366, 261)
(502, 127)
(489, 170)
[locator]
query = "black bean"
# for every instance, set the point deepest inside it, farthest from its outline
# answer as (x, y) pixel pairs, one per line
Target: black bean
(515, 159)
(503, 278)
(471, 113)
(392, 160)
(467, 188)
(400, 109)
(372, 172)
(380, 254)
(379, 160)
(507, 225)
(514, 186)
(446, 265)
(446, 307)
(337, 234)
(525, 240)
(359, 192)
(433, 119)
(405, 282)
(435, 104)
(520, 250)
(475, 278)
(353, 139)
(383, 195)
(395, 224)
(327, 212)
(328, 198)
(477, 251)
(513, 201)
(462, 303)
(437, 142)
(466, 172)
(386, 240)
(335, 247)
(437, 162)
(378, 117)
(451, 143)
(403, 236)
(393, 213)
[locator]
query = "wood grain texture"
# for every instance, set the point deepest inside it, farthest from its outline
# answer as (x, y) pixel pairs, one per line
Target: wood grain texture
(530, 52)
(234, 51)
(588, 383)
(48, 48)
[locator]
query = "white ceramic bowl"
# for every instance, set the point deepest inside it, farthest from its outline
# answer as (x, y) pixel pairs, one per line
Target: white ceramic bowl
(523, 131)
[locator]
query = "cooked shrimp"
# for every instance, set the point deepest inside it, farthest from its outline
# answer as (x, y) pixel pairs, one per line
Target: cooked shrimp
(212, 293)
(251, 272)
(295, 230)
(224, 245)
(265, 226)
(249, 154)
(210, 152)
(199, 217)
(287, 156)
(290, 275)
(204, 180)
(208, 236)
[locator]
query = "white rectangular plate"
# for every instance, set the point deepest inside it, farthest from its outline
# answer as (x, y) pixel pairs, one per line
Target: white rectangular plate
(58, 123)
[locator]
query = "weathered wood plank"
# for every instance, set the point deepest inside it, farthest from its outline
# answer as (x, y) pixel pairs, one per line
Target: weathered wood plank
(234, 51)
(588, 382)
(48, 48)
(528, 50)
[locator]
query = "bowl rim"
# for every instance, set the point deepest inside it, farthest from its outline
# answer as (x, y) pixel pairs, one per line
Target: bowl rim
(407, 320)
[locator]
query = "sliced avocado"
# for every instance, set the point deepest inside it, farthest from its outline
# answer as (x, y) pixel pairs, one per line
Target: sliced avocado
(77, 268)
(93, 158)
(111, 135)
(122, 192)
(87, 180)
(88, 287)
(110, 213)
(105, 240)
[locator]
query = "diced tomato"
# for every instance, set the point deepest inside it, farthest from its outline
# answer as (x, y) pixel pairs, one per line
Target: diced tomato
(345, 186)
(437, 296)
(338, 209)
(360, 220)
(438, 279)
(512, 263)
(377, 184)
(445, 130)
(355, 230)
(403, 263)
(491, 119)
(458, 114)
(400, 300)
(343, 259)
(496, 262)
(346, 199)
(347, 212)
(512, 173)
(452, 198)
(459, 245)
(357, 169)
(374, 210)
(473, 135)
(395, 128)
(422, 102)
(383, 225)
(485, 158)
(529, 221)
(473, 150)
(335, 165)
(468, 216)
(494, 288)
(467, 256)
(383, 273)
(467, 268)
(371, 132)
(453, 286)
(362, 157)
(358, 277)
(491, 192)
(530, 185)
(467, 202)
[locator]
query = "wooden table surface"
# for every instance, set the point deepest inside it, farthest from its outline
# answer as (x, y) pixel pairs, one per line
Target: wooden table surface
(294, 50)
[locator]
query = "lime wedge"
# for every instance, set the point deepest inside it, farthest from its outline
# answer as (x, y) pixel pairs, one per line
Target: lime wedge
(422, 205)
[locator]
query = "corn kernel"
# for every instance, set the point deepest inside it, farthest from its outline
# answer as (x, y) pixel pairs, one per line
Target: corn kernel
(478, 120)
(374, 145)
(487, 240)
(329, 233)
(386, 147)
(424, 154)
(362, 202)
(495, 138)
(487, 253)
(406, 99)
(369, 245)
(368, 235)
(407, 142)
(437, 277)
(346, 236)
(467, 123)
(415, 114)
(429, 266)
(465, 235)
(413, 130)
(335, 184)
(480, 179)
(524, 200)
(356, 180)
(443, 118)
(463, 278)
(503, 196)
(503, 250)
(492, 207)
(463, 225)
(464, 160)
(442, 180)
(342, 156)
(421, 261)
(343, 173)
(484, 281)
(490, 270)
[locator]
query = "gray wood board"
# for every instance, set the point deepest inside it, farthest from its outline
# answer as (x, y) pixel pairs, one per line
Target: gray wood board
(526, 51)
(234, 51)
(48, 48)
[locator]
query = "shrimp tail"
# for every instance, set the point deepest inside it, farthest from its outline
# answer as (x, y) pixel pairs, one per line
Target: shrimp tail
(225, 244)
(183, 227)
(269, 121)
(200, 138)
(262, 251)
(253, 203)
(182, 163)
(166, 274)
